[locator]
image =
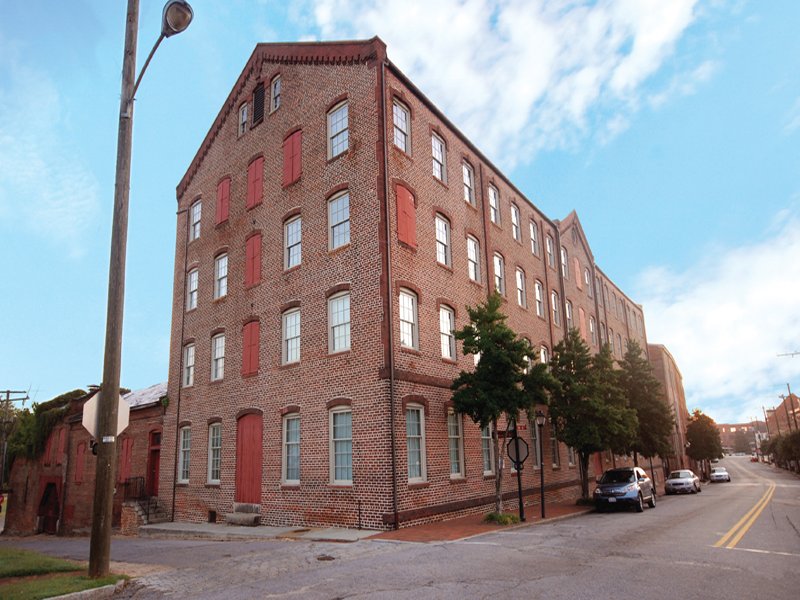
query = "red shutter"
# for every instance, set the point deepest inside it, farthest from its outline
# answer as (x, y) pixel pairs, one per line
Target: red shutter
(252, 271)
(80, 453)
(406, 217)
(297, 155)
(125, 460)
(223, 200)
(292, 158)
(287, 161)
(250, 338)
(255, 188)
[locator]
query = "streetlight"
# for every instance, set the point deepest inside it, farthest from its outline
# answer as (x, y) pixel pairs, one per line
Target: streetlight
(175, 18)
(540, 421)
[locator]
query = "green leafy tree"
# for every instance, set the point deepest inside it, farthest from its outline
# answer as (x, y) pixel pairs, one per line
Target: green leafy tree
(495, 387)
(741, 441)
(702, 436)
(587, 406)
(644, 395)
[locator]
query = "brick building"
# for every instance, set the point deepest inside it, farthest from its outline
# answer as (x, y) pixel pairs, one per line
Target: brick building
(753, 433)
(332, 227)
(665, 369)
(783, 418)
(54, 492)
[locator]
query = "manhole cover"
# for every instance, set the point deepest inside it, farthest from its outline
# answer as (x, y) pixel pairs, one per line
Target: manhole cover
(325, 557)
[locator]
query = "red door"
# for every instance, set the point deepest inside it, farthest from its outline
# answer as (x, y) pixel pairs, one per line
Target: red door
(248, 459)
(153, 461)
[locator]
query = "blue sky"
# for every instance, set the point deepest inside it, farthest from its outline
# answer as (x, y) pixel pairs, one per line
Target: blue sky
(673, 128)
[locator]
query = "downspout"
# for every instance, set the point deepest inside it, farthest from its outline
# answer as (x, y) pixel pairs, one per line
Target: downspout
(548, 308)
(485, 234)
(389, 299)
(180, 369)
(561, 268)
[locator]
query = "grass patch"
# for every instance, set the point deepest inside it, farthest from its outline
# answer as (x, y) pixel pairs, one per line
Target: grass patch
(28, 575)
(501, 519)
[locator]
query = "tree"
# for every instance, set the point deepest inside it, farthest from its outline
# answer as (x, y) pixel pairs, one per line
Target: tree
(741, 442)
(644, 395)
(587, 406)
(702, 437)
(495, 387)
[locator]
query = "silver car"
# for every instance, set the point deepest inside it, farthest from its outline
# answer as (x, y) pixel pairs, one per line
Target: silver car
(682, 481)
(627, 486)
(720, 474)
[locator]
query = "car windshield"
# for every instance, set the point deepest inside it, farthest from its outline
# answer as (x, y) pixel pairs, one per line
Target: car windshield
(625, 476)
(718, 470)
(680, 475)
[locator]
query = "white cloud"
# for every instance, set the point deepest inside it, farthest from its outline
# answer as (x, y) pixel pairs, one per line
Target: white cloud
(43, 188)
(546, 67)
(727, 318)
(684, 84)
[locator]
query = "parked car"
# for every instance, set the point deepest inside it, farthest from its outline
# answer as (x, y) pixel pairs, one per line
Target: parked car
(682, 481)
(719, 474)
(626, 486)
(754, 458)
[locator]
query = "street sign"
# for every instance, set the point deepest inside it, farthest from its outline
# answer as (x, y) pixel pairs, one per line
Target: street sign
(522, 427)
(90, 409)
(511, 450)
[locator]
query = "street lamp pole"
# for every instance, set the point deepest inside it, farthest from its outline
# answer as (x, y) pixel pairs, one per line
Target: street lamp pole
(540, 420)
(176, 17)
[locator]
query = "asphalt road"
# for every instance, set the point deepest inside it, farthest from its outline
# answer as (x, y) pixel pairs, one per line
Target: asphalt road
(734, 540)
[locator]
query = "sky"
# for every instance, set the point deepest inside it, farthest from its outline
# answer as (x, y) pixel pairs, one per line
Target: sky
(672, 128)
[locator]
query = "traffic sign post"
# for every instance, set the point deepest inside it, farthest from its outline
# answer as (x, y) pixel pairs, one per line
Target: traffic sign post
(517, 450)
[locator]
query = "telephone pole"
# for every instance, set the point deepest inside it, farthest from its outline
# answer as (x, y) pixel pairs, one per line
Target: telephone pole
(7, 420)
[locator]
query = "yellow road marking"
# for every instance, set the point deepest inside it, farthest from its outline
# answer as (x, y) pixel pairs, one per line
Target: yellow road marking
(746, 521)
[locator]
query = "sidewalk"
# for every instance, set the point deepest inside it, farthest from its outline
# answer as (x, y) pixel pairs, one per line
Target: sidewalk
(445, 531)
(464, 527)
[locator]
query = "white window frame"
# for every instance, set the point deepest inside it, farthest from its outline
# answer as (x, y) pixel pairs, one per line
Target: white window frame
(522, 296)
(438, 158)
(539, 296)
(184, 454)
(192, 284)
(537, 454)
(221, 276)
(195, 216)
(242, 124)
(275, 89)
(339, 220)
(570, 456)
(401, 121)
(409, 319)
(533, 228)
(494, 205)
(338, 130)
(555, 303)
(455, 444)
(516, 230)
(188, 365)
(419, 437)
(592, 331)
(473, 259)
(291, 323)
(287, 443)
(344, 440)
(550, 249)
(564, 263)
(487, 449)
(447, 323)
(292, 242)
(499, 266)
(587, 279)
(214, 453)
(337, 326)
(468, 177)
(443, 253)
(544, 355)
(568, 314)
(218, 357)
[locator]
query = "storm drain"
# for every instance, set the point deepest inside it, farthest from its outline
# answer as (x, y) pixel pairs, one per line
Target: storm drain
(325, 557)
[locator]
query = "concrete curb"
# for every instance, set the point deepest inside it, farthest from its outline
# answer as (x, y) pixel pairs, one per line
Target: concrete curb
(98, 593)
(526, 524)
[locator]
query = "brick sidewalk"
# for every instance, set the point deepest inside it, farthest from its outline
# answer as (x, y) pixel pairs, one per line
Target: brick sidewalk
(463, 527)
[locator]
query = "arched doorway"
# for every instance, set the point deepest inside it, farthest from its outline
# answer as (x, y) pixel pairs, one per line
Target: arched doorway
(49, 509)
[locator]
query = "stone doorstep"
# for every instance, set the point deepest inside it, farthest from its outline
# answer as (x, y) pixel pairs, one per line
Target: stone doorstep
(242, 518)
(245, 507)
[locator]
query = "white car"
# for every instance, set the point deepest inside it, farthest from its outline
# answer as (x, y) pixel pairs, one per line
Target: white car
(719, 474)
(682, 481)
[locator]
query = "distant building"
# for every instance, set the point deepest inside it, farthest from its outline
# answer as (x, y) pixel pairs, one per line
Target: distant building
(332, 227)
(785, 417)
(54, 492)
(665, 369)
(752, 431)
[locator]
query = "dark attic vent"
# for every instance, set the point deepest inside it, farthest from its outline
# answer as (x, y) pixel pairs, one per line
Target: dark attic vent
(258, 104)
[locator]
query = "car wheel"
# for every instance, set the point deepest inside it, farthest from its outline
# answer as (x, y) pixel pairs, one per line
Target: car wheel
(640, 503)
(652, 502)
(699, 488)
(729, 478)
(694, 489)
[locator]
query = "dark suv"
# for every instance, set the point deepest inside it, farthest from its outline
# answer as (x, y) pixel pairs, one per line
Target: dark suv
(626, 486)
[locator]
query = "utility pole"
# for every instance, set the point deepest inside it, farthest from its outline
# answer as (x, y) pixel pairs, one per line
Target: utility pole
(6, 425)
(791, 399)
